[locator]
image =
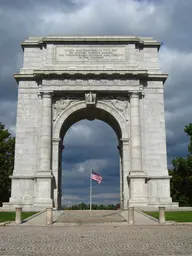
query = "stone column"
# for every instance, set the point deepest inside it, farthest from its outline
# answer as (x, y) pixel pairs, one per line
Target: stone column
(61, 148)
(56, 154)
(46, 129)
(125, 147)
(121, 177)
(135, 133)
(121, 183)
(44, 174)
(137, 176)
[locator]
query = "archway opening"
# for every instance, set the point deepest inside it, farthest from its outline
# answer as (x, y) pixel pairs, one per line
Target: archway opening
(90, 145)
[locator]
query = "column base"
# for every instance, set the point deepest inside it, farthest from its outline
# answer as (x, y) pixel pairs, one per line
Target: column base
(137, 189)
(43, 197)
(43, 202)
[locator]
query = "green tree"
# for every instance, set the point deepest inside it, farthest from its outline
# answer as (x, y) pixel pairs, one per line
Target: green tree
(7, 146)
(181, 182)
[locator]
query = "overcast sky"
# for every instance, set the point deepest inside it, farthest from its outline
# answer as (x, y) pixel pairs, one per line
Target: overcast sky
(94, 144)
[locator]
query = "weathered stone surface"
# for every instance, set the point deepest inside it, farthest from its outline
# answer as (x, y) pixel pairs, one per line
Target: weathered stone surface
(123, 76)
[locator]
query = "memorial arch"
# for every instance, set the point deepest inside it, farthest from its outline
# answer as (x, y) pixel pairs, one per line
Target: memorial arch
(114, 79)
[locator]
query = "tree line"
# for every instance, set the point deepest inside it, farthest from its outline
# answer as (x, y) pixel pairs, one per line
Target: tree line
(181, 182)
(83, 206)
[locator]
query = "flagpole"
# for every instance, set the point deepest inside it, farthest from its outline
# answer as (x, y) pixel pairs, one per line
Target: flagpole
(90, 196)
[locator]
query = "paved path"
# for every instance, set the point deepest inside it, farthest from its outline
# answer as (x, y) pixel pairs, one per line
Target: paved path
(140, 219)
(40, 219)
(87, 216)
(80, 216)
(92, 240)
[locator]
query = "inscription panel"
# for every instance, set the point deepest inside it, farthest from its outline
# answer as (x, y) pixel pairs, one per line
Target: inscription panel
(106, 54)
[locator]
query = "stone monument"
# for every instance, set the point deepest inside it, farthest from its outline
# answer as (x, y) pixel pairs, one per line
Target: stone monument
(65, 79)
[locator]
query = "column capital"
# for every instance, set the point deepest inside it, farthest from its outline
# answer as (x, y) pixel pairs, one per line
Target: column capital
(125, 140)
(56, 140)
(46, 94)
(59, 142)
(136, 94)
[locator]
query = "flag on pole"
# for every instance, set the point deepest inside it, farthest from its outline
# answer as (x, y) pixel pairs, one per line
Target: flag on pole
(96, 176)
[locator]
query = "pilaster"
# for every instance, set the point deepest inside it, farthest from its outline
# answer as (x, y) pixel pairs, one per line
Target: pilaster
(46, 128)
(125, 149)
(135, 133)
(137, 177)
(121, 176)
(57, 169)
(44, 177)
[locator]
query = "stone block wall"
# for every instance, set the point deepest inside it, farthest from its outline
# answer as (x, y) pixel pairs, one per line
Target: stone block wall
(27, 137)
(149, 60)
(32, 58)
(154, 144)
(155, 157)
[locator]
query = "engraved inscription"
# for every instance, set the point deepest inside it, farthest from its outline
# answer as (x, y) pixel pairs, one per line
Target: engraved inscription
(89, 54)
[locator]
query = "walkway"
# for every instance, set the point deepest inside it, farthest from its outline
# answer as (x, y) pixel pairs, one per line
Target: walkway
(84, 217)
(140, 218)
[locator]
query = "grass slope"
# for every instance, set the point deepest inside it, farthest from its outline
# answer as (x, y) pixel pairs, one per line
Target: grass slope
(10, 216)
(181, 216)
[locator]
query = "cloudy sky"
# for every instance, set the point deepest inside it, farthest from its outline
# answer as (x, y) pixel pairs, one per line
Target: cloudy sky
(94, 144)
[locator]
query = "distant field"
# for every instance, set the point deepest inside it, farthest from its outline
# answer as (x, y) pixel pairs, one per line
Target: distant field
(181, 216)
(10, 216)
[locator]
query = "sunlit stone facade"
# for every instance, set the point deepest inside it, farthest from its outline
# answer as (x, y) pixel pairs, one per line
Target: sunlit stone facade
(67, 79)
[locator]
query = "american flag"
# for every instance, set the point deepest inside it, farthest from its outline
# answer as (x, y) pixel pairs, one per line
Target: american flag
(97, 177)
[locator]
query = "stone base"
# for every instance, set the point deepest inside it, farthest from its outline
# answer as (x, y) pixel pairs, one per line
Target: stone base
(25, 207)
(155, 207)
(141, 202)
(43, 203)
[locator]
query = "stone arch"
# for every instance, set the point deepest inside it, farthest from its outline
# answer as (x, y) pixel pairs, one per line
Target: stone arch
(75, 112)
(103, 111)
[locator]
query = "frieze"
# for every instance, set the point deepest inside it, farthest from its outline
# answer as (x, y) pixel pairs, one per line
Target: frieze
(95, 82)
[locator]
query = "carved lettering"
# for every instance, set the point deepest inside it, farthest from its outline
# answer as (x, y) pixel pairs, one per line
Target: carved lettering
(90, 54)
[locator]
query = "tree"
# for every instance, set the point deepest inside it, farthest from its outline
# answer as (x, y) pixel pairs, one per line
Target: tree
(7, 146)
(181, 182)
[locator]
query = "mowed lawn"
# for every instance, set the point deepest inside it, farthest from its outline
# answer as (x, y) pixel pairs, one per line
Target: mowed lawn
(10, 216)
(180, 216)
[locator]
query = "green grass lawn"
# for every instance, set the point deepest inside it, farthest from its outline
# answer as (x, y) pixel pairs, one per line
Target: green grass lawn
(180, 216)
(10, 216)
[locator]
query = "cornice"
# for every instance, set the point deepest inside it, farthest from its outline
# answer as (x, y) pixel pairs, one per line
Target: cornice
(89, 74)
(140, 41)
